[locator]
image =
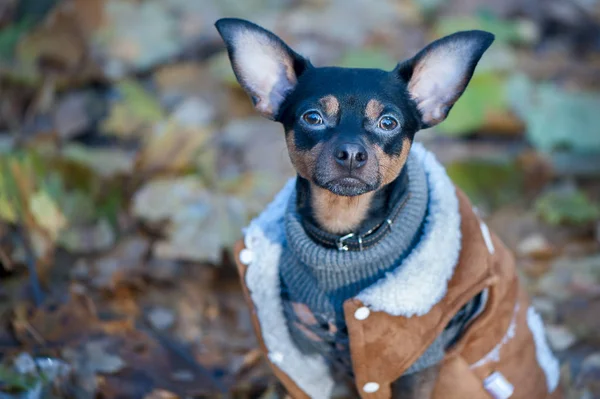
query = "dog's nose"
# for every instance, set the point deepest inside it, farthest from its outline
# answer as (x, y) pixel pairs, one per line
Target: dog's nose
(351, 156)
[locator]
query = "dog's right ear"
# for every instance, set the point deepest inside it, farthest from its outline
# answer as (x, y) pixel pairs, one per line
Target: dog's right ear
(264, 65)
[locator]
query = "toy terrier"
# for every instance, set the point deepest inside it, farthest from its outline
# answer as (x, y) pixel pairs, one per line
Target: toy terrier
(370, 271)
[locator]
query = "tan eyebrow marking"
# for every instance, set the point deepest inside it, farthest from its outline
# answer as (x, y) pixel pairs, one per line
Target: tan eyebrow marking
(374, 109)
(331, 105)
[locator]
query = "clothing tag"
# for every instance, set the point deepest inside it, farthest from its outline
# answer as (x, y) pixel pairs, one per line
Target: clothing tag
(498, 386)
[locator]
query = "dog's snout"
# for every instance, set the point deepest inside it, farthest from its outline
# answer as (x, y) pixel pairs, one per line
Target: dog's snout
(350, 155)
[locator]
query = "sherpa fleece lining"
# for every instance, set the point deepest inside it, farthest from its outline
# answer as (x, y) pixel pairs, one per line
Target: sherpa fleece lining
(543, 354)
(413, 288)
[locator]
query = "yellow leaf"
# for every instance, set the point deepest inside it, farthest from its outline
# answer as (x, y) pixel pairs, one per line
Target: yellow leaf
(47, 214)
(172, 147)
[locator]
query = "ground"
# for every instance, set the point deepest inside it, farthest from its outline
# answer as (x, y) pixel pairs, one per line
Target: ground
(130, 160)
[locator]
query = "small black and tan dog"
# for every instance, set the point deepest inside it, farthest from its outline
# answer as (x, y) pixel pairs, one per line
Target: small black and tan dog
(349, 131)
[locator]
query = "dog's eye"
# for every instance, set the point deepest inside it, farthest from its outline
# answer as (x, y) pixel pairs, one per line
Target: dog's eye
(388, 123)
(312, 118)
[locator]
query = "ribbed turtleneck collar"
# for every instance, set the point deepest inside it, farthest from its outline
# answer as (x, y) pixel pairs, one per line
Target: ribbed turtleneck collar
(333, 269)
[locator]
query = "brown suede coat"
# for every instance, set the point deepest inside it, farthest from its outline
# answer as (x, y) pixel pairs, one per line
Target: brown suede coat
(383, 346)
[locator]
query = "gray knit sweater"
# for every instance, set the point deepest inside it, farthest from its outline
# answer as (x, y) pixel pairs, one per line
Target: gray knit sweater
(316, 280)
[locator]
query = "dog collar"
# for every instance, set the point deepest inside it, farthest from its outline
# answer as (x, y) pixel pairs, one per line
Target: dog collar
(355, 241)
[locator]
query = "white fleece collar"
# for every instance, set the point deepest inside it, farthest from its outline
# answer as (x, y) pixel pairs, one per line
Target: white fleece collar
(412, 289)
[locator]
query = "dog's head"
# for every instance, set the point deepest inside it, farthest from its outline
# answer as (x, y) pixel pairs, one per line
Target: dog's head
(350, 130)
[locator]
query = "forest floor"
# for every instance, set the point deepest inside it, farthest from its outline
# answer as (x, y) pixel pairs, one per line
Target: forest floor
(130, 160)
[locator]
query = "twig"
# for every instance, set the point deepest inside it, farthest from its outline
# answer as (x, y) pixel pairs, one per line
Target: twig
(38, 295)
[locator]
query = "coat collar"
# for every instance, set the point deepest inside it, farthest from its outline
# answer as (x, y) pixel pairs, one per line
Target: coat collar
(412, 289)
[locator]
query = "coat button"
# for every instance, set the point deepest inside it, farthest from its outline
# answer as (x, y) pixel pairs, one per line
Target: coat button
(276, 357)
(362, 313)
(371, 387)
(246, 256)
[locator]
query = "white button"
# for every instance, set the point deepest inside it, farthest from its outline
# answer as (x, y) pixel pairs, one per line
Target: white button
(498, 386)
(362, 313)
(371, 387)
(246, 256)
(276, 357)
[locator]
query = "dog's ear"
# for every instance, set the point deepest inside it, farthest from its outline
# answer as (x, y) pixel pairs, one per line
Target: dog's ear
(439, 74)
(264, 65)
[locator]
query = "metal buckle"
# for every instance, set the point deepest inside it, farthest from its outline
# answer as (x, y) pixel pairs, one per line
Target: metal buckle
(340, 242)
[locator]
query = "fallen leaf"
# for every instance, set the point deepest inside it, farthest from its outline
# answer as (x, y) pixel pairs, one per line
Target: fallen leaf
(536, 246)
(557, 118)
(560, 337)
(567, 206)
(71, 116)
(482, 103)
(106, 162)
(137, 36)
(88, 238)
(134, 113)
(489, 184)
(47, 214)
(101, 360)
(572, 277)
(124, 264)
(172, 147)
(201, 231)
(160, 199)
(161, 318)
(54, 324)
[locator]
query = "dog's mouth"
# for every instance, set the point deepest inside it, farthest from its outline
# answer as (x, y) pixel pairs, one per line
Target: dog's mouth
(348, 186)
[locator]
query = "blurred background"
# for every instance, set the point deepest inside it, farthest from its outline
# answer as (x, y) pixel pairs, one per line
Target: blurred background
(130, 160)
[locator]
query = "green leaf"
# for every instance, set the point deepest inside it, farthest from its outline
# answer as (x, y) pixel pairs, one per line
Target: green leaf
(9, 37)
(14, 381)
(47, 214)
(557, 118)
(136, 110)
(106, 162)
(487, 183)
(570, 207)
(484, 95)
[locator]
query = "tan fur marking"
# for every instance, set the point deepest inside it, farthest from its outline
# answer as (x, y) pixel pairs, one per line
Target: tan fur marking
(330, 105)
(390, 166)
(338, 214)
(373, 109)
(304, 161)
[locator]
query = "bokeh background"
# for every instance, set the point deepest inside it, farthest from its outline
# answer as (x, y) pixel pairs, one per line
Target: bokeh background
(130, 160)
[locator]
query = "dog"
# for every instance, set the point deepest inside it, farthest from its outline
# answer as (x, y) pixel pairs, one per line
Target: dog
(370, 270)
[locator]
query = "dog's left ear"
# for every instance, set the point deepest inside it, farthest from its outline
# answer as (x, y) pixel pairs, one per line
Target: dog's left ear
(265, 66)
(439, 74)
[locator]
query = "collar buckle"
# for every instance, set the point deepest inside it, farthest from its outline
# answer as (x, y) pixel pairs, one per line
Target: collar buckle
(341, 246)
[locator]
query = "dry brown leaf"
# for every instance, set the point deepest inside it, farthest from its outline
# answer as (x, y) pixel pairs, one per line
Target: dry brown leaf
(172, 147)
